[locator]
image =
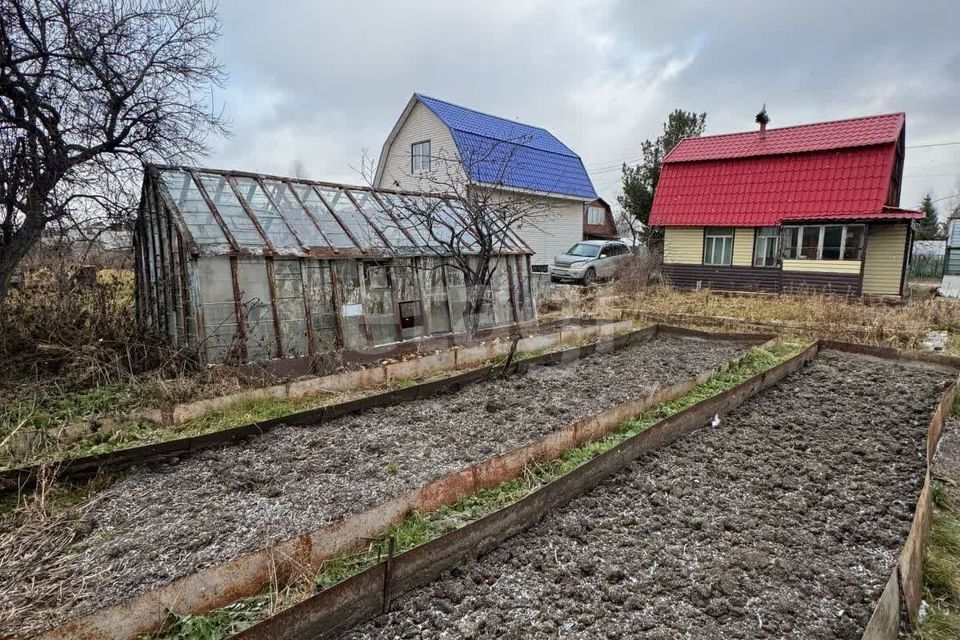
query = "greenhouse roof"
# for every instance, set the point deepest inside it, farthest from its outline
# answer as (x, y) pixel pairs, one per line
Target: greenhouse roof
(236, 212)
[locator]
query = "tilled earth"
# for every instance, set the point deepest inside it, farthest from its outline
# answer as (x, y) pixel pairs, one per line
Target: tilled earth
(783, 522)
(174, 518)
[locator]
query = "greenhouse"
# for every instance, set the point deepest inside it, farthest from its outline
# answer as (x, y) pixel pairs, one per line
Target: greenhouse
(246, 267)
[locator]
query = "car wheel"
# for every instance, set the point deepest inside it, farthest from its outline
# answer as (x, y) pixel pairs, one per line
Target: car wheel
(589, 277)
(554, 279)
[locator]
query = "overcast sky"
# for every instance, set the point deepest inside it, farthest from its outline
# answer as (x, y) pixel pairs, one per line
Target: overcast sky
(320, 82)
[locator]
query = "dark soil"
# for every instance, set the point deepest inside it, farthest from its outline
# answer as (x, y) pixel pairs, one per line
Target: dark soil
(174, 518)
(784, 522)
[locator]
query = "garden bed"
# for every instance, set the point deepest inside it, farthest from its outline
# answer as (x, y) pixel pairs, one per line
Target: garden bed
(170, 519)
(783, 522)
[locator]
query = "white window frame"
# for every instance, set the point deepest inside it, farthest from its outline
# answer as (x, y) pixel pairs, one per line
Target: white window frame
(821, 231)
(420, 161)
(758, 239)
(713, 237)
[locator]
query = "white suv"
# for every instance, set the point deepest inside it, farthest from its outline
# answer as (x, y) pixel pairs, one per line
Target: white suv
(589, 261)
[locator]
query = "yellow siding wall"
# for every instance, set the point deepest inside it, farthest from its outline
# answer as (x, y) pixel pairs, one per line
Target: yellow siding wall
(743, 247)
(823, 266)
(883, 265)
(421, 125)
(683, 245)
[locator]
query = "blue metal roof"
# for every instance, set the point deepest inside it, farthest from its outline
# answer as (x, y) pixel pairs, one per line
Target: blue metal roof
(513, 154)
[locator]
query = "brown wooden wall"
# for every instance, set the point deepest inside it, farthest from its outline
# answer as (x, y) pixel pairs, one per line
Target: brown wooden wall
(765, 280)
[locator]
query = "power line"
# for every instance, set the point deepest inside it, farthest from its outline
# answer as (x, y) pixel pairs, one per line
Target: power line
(935, 144)
(956, 195)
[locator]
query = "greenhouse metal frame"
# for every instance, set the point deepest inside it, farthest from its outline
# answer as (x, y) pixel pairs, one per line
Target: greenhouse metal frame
(247, 267)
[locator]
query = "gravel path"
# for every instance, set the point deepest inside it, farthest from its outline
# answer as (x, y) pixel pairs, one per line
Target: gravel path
(781, 523)
(174, 518)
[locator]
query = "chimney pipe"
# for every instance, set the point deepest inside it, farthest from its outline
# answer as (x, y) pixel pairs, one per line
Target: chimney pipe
(762, 119)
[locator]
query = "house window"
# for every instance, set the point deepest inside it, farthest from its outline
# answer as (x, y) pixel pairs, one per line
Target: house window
(718, 246)
(420, 157)
(594, 215)
(766, 250)
(823, 242)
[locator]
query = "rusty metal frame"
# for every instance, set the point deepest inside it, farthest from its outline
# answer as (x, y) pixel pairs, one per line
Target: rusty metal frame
(241, 333)
(245, 207)
(307, 307)
(363, 213)
(215, 212)
(310, 216)
(167, 201)
(272, 287)
(336, 216)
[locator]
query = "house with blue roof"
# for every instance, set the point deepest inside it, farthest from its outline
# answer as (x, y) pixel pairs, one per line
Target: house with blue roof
(432, 135)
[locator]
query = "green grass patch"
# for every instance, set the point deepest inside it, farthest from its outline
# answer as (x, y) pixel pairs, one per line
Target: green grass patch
(419, 528)
(218, 624)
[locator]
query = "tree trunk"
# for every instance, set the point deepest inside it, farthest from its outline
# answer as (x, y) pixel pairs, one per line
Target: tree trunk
(17, 247)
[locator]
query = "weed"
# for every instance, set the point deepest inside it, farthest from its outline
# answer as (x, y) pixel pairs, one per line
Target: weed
(217, 625)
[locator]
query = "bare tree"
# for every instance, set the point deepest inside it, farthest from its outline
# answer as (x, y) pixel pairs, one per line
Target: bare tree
(476, 218)
(89, 90)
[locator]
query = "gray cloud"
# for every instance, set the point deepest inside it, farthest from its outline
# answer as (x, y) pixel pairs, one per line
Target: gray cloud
(319, 82)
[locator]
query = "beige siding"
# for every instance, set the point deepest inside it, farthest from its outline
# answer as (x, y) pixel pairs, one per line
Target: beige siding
(883, 264)
(743, 246)
(683, 245)
(823, 266)
(560, 228)
(419, 126)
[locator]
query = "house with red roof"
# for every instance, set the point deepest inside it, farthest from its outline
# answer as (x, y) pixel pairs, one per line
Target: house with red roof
(812, 207)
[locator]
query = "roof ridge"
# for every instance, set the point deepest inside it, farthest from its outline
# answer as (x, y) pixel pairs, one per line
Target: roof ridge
(572, 153)
(483, 113)
(796, 126)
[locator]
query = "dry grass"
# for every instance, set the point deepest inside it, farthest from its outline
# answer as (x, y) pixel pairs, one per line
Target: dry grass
(35, 534)
(813, 315)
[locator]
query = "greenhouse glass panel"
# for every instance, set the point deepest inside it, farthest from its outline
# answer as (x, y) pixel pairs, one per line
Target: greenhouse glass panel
(266, 214)
(330, 227)
(236, 219)
(351, 216)
(257, 308)
(294, 214)
(196, 214)
(387, 225)
(404, 218)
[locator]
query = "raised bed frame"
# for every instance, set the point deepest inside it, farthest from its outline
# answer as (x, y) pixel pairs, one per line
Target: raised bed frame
(370, 593)
(248, 574)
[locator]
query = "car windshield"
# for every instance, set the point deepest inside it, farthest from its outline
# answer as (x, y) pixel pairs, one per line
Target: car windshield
(584, 250)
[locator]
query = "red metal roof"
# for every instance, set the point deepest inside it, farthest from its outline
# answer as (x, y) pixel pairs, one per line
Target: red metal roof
(820, 136)
(832, 170)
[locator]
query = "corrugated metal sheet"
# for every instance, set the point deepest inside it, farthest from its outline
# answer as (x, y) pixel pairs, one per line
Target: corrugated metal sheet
(819, 136)
(508, 153)
(763, 191)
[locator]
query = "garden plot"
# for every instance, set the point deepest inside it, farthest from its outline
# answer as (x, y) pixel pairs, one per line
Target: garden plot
(173, 518)
(783, 522)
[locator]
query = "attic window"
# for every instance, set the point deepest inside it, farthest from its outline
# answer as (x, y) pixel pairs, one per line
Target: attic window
(420, 157)
(594, 215)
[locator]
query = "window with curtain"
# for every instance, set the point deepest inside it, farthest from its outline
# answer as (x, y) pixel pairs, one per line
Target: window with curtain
(594, 215)
(718, 246)
(766, 247)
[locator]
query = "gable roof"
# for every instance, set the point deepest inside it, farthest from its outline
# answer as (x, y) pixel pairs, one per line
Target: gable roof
(827, 170)
(512, 154)
(819, 136)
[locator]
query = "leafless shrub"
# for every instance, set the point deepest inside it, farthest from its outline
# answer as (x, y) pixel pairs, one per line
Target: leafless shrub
(635, 273)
